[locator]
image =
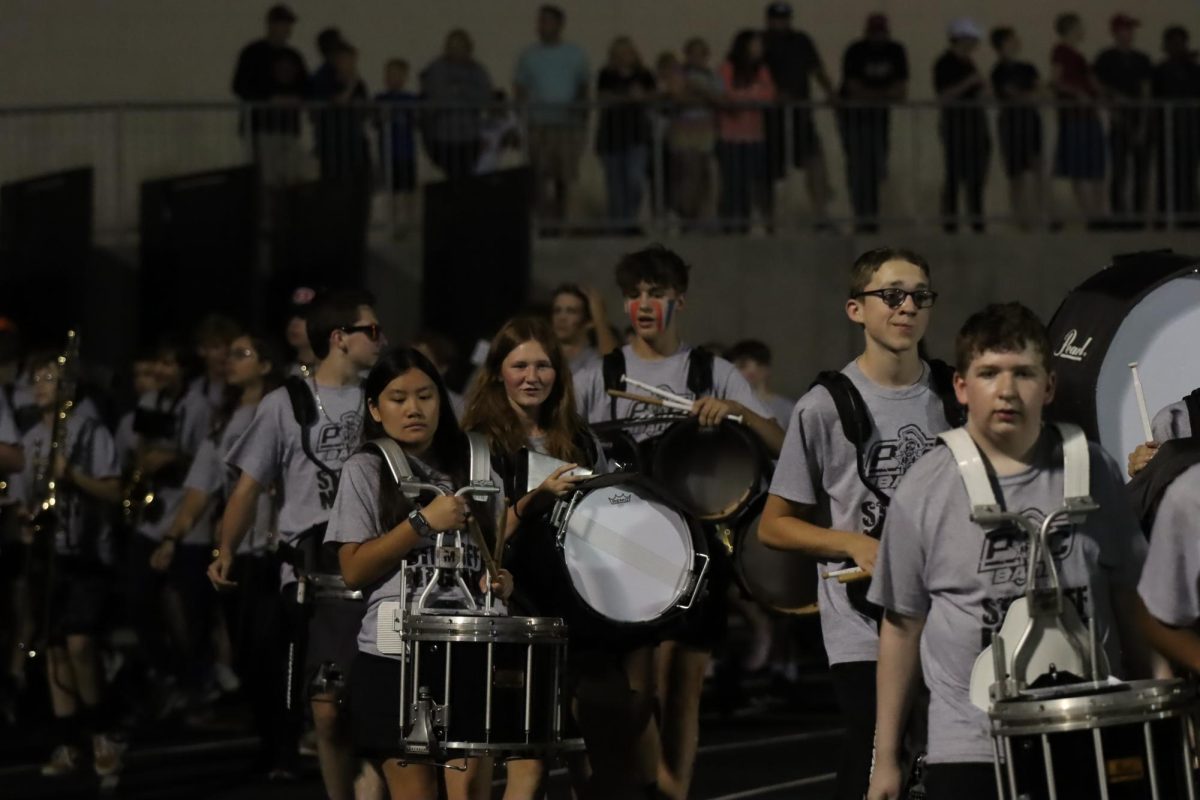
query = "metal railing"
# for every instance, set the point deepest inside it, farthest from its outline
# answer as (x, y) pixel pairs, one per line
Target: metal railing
(657, 167)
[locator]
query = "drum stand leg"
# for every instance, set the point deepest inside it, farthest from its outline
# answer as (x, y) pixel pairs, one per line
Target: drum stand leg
(1048, 763)
(1004, 794)
(1100, 774)
(1150, 765)
(528, 688)
(1012, 774)
(487, 713)
(1188, 776)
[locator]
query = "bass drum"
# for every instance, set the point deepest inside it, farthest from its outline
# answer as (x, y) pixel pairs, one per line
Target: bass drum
(1143, 308)
(714, 472)
(781, 580)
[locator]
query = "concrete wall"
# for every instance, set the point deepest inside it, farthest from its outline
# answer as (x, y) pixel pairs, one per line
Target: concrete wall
(790, 291)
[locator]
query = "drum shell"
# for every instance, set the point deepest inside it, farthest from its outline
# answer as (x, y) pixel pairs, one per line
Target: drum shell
(779, 580)
(714, 472)
(1139, 730)
(522, 658)
(621, 449)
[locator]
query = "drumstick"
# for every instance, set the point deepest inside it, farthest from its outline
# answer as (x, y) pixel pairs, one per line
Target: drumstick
(837, 573)
(654, 390)
(489, 562)
(1141, 400)
(653, 401)
(848, 575)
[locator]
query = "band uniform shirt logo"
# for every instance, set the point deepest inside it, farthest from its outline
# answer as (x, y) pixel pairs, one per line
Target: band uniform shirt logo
(333, 441)
(1069, 350)
(886, 462)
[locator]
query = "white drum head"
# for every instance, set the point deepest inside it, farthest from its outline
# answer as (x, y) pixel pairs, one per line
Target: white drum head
(1162, 334)
(629, 557)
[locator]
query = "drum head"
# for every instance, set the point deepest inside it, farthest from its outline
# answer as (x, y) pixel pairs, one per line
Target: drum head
(781, 580)
(1143, 309)
(629, 556)
(713, 472)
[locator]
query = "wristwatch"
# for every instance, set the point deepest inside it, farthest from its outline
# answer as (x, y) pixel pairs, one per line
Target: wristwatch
(420, 524)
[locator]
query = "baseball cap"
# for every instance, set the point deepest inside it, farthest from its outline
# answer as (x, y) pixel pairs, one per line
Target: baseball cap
(280, 13)
(964, 28)
(1120, 21)
(777, 10)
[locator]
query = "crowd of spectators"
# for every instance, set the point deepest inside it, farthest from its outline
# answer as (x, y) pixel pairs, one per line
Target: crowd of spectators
(1124, 124)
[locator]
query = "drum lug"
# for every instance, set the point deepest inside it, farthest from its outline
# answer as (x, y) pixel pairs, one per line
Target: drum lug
(562, 513)
(697, 583)
(428, 718)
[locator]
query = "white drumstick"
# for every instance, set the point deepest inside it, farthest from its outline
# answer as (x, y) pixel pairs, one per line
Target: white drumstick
(1141, 400)
(837, 573)
(671, 400)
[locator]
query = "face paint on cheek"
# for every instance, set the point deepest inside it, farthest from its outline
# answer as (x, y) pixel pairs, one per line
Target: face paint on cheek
(663, 310)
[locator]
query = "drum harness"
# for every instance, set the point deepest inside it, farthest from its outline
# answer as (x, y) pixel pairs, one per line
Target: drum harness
(426, 715)
(1047, 631)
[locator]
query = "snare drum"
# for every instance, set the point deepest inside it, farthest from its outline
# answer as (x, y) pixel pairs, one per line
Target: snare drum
(714, 472)
(481, 685)
(620, 448)
(781, 580)
(631, 557)
(1127, 740)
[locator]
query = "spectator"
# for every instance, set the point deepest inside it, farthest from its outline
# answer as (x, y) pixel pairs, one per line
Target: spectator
(340, 134)
(1177, 80)
(692, 133)
(753, 359)
(668, 76)
(792, 59)
(457, 88)
(272, 76)
(552, 80)
(328, 41)
(623, 136)
(1123, 75)
(1017, 86)
(963, 124)
(1079, 153)
(874, 75)
(397, 141)
(742, 145)
(501, 131)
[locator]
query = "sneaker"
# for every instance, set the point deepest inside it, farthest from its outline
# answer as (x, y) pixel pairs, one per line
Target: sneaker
(108, 754)
(63, 761)
(226, 678)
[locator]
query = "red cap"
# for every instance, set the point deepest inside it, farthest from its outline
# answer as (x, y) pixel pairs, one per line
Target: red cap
(1119, 21)
(877, 23)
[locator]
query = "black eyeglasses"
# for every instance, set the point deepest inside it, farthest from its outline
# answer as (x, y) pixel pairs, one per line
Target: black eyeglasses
(894, 296)
(373, 330)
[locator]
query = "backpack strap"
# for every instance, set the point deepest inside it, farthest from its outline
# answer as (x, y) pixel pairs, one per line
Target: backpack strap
(613, 369)
(304, 409)
(855, 419)
(700, 372)
(941, 378)
(1192, 401)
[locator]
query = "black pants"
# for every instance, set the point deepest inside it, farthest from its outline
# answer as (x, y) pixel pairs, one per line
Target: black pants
(976, 781)
(967, 149)
(1184, 173)
(1130, 160)
(865, 140)
(854, 685)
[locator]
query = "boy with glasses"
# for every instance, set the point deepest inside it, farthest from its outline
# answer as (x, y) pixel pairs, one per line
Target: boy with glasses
(828, 497)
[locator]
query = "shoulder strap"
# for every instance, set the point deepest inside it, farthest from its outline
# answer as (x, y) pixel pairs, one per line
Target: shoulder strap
(973, 472)
(393, 456)
(304, 409)
(700, 372)
(479, 468)
(855, 419)
(1192, 401)
(1077, 478)
(613, 369)
(941, 378)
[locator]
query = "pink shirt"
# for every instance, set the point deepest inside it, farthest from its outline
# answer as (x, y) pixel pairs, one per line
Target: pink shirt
(745, 125)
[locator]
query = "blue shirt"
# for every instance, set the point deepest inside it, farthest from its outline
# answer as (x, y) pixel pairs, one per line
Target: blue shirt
(400, 122)
(552, 74)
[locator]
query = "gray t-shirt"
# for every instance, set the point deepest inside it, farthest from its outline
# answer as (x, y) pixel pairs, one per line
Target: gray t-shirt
(270, 451)
(936, 564)
(582, 359)
(9, 435)
(1172, 422)
(356, 518)
(193, 418)
(668, 373)
(781, 409)
(1170, 584)
(210, 474)
(86, 530)
(818, 467)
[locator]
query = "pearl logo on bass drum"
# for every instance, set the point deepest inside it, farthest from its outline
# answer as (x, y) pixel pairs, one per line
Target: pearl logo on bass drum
(1069, 350)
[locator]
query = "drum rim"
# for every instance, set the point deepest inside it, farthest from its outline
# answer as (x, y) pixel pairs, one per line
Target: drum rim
(459, 749)
(748, 497)
(1145, 701)
(481, 628)
(699, 546)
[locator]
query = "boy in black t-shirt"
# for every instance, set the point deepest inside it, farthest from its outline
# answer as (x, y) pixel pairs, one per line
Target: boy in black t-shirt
(1124, 75)
(1016, 84)
(964, 128)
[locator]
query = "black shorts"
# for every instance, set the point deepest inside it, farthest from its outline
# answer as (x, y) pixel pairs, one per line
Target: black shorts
(374, 704)
(333, 627)
(806, 143)
(1020, 137)
(78, 599)
(704, 626)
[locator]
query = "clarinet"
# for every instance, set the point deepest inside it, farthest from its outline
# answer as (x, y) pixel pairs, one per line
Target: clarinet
(46, 519)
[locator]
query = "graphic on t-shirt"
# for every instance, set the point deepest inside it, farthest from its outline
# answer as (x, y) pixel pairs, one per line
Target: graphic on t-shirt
(334, 441)
(647, 411)
(1005, 552)
(996, 608)
(885, 463)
